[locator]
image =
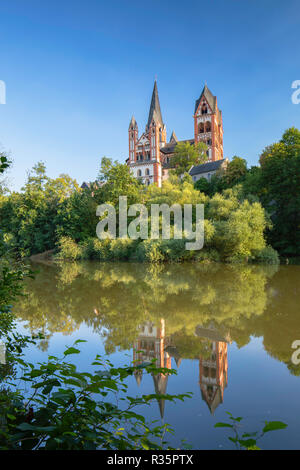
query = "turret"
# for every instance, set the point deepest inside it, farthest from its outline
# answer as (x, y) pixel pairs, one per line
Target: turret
(132, 138)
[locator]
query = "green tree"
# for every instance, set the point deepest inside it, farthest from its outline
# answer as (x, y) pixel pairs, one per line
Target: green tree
(202, 185)
(236, 170)
(280, 178)
(186, 155)
(5, 163)
(118, 181)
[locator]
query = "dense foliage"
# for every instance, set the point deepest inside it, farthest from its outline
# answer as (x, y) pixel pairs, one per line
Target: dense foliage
(247, 211)
(53, 405)
(275, 183)
(187, 155)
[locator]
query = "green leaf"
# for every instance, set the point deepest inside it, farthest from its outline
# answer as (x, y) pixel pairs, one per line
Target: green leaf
(71, 351)
(223, 425)
(31, 427)
(273, 426)
(247, 443)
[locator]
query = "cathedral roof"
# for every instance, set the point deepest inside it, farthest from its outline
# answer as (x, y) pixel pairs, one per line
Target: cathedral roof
(210, 98)
(215, 401)
(170, 146)
(154, 112)
(160, 385)
(210, 333)
(206, 167)
(173, 137)
(133, 123)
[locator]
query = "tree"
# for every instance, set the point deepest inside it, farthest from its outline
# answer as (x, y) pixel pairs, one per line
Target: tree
(202, 185)
(118, 181)
(5, 163)
(29, 218)
(187, 155)
(280, 178)
(236, 170)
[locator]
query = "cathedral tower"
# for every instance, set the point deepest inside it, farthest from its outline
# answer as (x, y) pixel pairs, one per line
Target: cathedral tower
(133, 136)
(144, 151)
(208, 126)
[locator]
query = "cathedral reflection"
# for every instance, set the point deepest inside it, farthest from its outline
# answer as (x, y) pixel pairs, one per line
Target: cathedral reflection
(153, 343)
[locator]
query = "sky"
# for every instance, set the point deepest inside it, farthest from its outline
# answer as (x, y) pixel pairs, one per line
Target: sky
(76, 71)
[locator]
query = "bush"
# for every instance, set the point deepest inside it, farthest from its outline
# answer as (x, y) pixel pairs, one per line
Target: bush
(267, 256)
(150, 251)
(69, 250)
(56, 407)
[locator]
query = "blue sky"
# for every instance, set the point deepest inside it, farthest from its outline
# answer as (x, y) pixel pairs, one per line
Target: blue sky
(76, 71)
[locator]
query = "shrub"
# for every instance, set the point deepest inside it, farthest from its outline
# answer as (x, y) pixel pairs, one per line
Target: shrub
(68, 249)
(150, 251)
(267, 256)
(57, 407)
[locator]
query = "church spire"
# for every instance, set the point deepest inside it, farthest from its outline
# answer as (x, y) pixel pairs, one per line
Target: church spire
(154, 112)
(133, 123)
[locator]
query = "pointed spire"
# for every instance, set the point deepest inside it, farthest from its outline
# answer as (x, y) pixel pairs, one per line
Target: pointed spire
(133, 123)
(173, 137)
(138, 377)
(160, 386)
(154, 112)
(210, 98)
(178, 361)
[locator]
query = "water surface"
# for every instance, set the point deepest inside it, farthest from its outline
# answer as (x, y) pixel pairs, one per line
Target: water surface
(227, 330)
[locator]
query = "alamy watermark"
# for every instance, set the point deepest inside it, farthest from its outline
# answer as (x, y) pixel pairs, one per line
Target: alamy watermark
(2, 92)
(296, 354)
(296, 93)
(160, 217)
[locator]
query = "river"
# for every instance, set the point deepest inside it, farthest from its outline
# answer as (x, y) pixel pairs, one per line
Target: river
(226, 330)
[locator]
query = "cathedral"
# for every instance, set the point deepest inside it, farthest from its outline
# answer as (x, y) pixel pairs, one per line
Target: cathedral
(150, 155)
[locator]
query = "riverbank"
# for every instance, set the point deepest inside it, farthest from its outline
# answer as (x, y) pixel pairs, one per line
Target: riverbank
(156, 251)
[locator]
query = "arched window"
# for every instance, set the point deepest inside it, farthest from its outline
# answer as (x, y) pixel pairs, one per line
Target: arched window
(147, 173)
(201, 128)
(204, 109)
(208, 126)
(139, 172)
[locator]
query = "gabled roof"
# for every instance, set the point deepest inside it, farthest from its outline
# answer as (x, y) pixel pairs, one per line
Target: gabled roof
(133, 123)
(206, 167)
(215, 401)
(170, 146)
(210, 98)
(210, 333)
(154, 112)
(173, 137)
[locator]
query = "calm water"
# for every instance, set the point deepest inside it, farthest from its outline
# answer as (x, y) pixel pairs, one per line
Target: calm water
(227, 330)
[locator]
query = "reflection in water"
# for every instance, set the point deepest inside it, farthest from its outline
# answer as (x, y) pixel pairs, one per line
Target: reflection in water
(153, 344)
(213, 375)
(113, 300)
(188, 317)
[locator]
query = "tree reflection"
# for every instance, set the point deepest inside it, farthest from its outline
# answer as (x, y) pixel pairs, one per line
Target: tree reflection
(114, 300)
